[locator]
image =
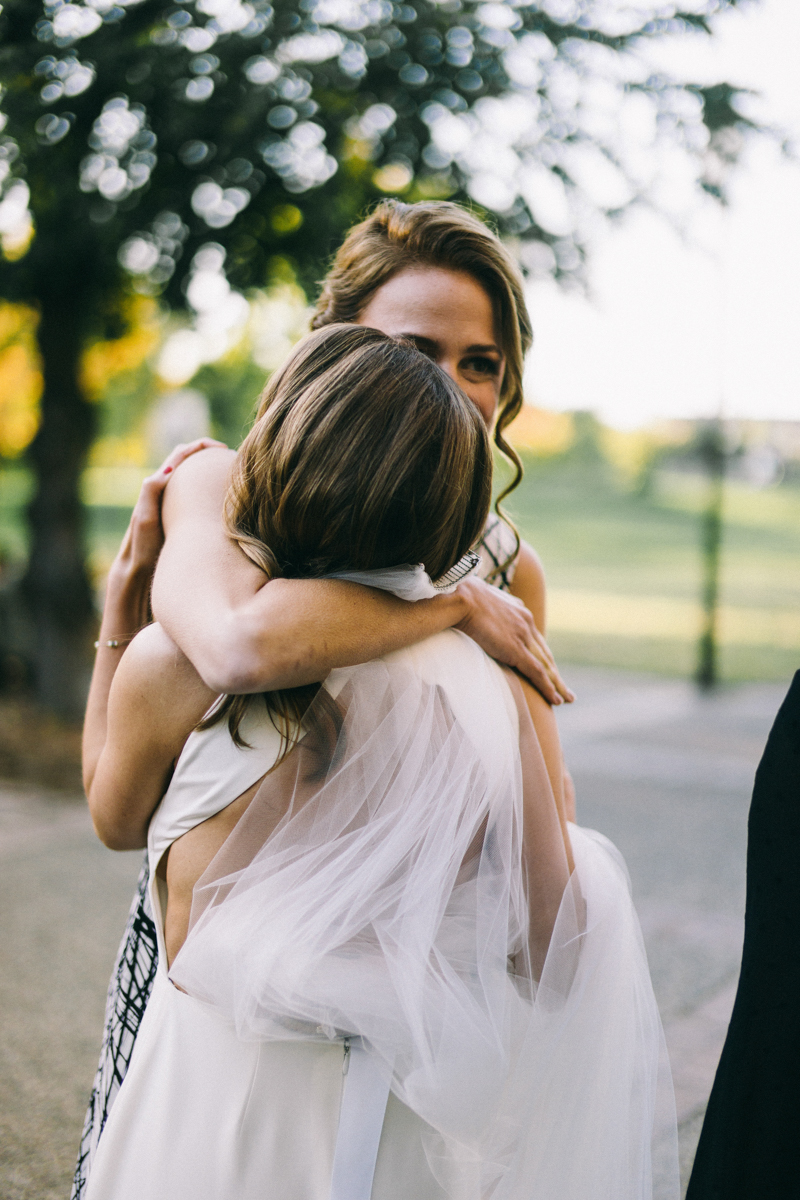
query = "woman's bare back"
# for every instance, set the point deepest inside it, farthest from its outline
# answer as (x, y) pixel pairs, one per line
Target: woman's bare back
(185, 861)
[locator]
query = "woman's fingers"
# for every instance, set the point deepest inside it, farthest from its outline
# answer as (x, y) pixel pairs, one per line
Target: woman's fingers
(564, 691)
(160, 478)
(184, 451)
(144, 536)
(537, 674)
(149, 502)
(543, 652)
(536, 661)
(505, 629)
(542, 645)
(547, 664)
(539, 669)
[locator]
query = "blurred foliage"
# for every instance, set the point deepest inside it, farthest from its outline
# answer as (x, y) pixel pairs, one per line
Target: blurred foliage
(135, 133)
(151, 126)
(627, 458)
(635, 452)
(540, 432)
(20, 378)
(104, 360)
(232, 387)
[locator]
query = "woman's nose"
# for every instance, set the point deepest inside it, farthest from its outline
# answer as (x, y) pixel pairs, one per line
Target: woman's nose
(449, 366)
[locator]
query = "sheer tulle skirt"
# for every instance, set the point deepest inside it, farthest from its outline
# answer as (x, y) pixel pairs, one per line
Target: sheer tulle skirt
(402, 876)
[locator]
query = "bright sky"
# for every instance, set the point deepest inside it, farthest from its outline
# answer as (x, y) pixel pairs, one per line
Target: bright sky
(676, 325)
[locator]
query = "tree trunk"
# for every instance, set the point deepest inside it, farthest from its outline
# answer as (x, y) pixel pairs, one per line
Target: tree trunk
(56, 587)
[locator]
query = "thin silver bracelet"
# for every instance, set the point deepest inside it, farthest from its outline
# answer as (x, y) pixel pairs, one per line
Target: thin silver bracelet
(114, 643)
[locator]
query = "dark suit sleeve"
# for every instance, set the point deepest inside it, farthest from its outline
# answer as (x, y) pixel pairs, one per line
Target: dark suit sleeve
(750, 1144)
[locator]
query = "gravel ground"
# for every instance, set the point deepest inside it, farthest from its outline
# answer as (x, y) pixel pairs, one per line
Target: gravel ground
(663, 772)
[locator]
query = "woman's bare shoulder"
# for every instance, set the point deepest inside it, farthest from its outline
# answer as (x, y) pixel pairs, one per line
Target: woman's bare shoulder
(150, 653)
(157, 680)
(198, 486)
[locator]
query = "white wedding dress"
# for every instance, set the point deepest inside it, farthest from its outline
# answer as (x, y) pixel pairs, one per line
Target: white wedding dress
(379, 1002)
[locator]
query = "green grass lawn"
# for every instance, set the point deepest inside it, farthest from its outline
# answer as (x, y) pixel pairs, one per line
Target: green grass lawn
(620, 550)
(623, 568)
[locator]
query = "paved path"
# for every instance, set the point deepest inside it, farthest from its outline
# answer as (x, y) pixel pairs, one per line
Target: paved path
(664, 773)
(63, 903)
(667, 774)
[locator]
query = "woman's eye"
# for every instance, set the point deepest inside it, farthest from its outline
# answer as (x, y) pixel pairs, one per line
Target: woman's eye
(482, 366)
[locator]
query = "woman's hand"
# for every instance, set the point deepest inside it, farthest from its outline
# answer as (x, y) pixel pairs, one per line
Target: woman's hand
(137, 556)
(503, 627)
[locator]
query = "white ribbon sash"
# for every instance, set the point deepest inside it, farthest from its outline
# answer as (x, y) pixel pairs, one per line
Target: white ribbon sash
(364, 1099)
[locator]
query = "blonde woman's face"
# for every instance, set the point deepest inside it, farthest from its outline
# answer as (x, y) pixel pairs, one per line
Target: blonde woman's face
(449, 317)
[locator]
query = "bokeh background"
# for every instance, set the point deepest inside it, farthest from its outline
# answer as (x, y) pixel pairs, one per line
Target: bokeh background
(174, 178)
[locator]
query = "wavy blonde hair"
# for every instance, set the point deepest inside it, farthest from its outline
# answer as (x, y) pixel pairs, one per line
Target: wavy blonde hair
(363, 454)
(396, 236)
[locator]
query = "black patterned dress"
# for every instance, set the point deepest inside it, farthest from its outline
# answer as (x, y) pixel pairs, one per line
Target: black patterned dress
(128, 992)
(137, 959)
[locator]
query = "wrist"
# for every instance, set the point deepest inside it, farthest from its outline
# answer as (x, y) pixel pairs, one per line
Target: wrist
(126, 580)
(460, 603)
(127, 601)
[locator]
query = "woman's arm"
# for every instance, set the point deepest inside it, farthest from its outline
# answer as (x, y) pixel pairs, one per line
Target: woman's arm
(155, 700)
(546, 847)
(125, 611)
(544, 722)
(529, 586)
(127, 603)
(246, 634)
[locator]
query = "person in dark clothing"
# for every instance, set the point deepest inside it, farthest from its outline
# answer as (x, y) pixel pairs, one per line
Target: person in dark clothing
(750, 1143)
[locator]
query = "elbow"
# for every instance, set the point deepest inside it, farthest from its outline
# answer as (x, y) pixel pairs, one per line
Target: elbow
(113, 830)
(88, 779)
(245, 660)
(234, 676)
(118, 837)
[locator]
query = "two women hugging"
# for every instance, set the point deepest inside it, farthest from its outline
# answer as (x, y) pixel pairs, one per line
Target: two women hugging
(388, 964)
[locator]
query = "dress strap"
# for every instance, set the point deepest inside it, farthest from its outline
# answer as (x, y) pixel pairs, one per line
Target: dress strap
(364, 1099)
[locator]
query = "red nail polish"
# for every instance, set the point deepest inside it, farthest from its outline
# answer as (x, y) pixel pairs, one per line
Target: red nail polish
(167, 470)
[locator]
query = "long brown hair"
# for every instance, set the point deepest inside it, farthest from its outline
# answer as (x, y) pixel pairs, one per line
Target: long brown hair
(396, 236)
(364, 454)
